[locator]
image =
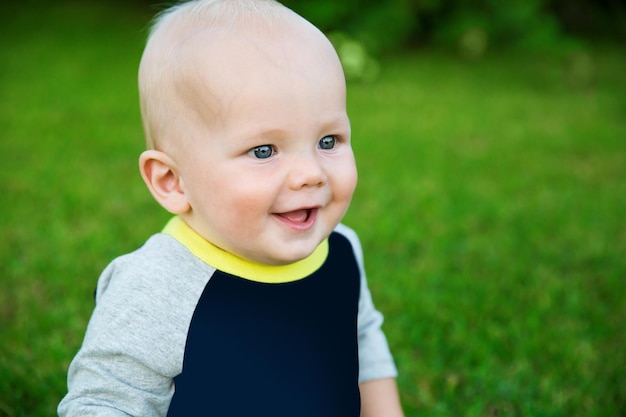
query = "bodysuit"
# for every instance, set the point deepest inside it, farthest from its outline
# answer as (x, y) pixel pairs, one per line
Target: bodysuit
(182, 328)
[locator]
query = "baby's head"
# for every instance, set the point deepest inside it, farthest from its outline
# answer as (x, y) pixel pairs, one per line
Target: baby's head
(243, 104)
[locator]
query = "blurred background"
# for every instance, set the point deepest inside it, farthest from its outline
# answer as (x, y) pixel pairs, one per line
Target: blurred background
(491, 144)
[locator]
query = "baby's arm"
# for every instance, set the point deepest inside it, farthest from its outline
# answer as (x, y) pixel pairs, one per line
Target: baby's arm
(379, 398)
(377, 371)
(135, 340)
(121, 368)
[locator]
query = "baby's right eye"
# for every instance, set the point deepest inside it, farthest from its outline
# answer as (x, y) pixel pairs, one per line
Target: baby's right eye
(262, 152)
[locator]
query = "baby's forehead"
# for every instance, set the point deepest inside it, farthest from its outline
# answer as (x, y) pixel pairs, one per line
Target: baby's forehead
(204, 51)
(201, 60)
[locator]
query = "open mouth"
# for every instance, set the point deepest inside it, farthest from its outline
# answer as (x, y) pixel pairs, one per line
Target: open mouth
(299, 219)
(297, 216)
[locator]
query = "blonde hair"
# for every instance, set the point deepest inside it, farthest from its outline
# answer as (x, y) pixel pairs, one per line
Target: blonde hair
(159, 69)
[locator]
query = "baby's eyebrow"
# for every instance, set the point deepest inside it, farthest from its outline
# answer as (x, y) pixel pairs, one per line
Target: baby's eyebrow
(256, 135)
(336, 122)
(268, 132)
(327, 125)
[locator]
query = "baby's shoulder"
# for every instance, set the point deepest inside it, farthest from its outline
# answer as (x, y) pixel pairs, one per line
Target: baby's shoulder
(161, 268)
(352, 237)
(346, 231)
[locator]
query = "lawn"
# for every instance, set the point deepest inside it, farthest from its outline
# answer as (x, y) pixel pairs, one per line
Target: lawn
(491, 206)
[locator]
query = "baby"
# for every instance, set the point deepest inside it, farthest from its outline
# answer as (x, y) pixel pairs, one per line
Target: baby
(253, 300)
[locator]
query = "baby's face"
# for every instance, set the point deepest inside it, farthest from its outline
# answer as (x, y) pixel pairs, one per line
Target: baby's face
(269, 170)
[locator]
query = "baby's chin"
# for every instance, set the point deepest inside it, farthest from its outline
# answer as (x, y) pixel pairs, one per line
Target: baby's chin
(287, 258)
(292, 253)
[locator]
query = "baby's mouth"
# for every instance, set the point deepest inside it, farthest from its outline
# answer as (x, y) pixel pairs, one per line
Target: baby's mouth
(296, 216)
(299, 220)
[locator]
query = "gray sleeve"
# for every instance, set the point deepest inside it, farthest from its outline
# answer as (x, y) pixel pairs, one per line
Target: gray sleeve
(375, 359)
(135, 340)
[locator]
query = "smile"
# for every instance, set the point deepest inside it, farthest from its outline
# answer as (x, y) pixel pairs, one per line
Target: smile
(301, 220)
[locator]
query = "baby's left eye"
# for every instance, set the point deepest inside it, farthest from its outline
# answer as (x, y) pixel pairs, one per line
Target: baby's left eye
(327, 142)
(262, 152)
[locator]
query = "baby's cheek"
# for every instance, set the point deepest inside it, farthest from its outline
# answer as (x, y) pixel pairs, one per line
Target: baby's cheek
(349, 181)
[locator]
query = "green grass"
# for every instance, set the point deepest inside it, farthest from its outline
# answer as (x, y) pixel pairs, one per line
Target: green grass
(491, 206)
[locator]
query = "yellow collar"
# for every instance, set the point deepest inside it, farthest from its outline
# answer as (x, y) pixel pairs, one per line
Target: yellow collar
(234, 265)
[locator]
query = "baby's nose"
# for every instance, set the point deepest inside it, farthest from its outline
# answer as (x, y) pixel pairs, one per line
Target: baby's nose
(306, 171)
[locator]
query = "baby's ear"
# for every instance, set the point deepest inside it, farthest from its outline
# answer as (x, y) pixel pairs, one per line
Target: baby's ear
(159, 173)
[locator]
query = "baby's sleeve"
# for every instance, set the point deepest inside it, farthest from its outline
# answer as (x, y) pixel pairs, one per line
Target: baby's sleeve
(121, 368)
(375, 359)
(135, 340)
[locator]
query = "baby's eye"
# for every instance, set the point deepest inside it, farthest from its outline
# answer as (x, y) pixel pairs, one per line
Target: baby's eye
(262, 152)
(327, 142)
